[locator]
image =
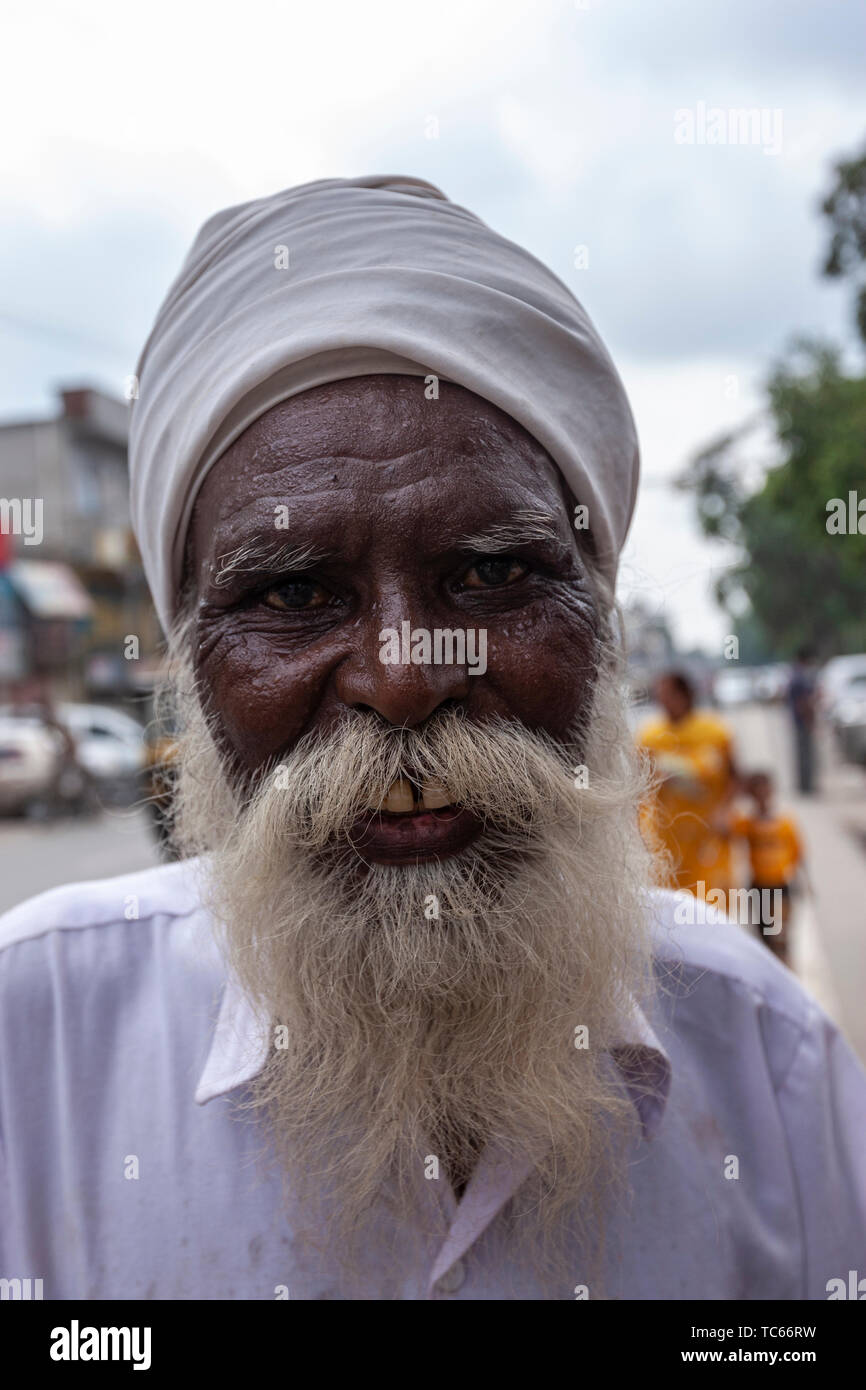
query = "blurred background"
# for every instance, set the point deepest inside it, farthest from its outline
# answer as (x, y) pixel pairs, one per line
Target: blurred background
(695, 174)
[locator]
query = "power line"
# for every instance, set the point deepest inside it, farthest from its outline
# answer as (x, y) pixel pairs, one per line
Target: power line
(20, 323)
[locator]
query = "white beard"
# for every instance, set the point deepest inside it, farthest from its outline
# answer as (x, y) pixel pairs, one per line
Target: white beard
(411, 1034)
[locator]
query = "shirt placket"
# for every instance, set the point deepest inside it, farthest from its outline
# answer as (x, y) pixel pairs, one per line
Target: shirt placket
(493, 1183)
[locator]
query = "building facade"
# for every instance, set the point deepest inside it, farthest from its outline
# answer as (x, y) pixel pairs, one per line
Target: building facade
(72, 589)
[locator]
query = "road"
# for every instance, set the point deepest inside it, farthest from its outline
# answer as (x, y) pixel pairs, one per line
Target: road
(35, 857)
(829, 946)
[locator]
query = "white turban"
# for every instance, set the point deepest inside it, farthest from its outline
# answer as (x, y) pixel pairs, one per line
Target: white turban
(343, 278)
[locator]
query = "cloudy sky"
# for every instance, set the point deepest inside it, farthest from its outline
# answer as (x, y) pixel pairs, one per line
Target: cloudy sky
(125, 126)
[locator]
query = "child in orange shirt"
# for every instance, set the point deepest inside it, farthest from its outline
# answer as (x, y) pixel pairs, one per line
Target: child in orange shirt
(775, 855)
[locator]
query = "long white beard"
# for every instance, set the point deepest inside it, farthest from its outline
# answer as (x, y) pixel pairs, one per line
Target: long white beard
(433, 1009)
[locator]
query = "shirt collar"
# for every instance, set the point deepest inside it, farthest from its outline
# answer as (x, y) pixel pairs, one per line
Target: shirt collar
(240, 1044)
(645, 1067)
(239, 1048)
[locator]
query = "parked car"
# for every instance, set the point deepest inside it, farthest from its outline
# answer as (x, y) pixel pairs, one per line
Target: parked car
(29, 760)
(844, 700)
(109, 745)
(850, 729)
(71, 758)
(734, 686)
(841, 678)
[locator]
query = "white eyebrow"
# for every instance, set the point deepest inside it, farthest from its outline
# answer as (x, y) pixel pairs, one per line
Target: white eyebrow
(260, 556)
(523, 526)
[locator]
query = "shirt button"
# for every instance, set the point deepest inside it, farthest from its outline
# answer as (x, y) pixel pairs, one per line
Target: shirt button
(452, 1279)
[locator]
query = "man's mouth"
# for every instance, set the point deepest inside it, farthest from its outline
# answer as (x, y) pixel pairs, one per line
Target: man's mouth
(416, 821)
(406, 798)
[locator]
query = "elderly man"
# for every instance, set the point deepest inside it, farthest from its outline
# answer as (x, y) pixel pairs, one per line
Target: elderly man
(408, 1021)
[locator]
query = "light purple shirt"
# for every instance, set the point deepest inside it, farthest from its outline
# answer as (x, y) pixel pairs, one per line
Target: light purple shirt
(127, 1172)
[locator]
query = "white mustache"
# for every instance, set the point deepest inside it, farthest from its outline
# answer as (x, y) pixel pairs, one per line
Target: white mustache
(512, 778)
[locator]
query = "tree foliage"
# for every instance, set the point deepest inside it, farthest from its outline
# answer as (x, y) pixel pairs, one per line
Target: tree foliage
(797, 583)
(845, 209)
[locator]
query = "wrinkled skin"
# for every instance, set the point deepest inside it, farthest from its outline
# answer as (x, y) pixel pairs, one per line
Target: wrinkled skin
(389, 482)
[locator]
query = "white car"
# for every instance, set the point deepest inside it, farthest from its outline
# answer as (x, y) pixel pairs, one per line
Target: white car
(843, 694)
(29, 759)
(841, 678)
(850, 728)
(109, 743)
(734, 686)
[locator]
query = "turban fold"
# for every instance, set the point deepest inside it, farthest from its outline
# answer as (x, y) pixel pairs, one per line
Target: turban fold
(343, 278)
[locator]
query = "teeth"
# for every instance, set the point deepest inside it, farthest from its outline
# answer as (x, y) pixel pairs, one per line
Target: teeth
(400, 798)
(434, 795)
(401, 801)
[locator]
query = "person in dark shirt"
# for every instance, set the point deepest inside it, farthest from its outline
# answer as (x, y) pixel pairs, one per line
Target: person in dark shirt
(803, 704)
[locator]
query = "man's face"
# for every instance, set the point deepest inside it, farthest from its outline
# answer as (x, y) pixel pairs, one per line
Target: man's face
(355, 508)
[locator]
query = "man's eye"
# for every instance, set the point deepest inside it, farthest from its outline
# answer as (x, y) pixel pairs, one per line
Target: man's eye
(296, 593)
(494, 571)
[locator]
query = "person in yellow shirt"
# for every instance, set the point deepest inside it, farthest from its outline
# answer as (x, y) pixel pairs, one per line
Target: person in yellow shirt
(688, 815)
(775, 853)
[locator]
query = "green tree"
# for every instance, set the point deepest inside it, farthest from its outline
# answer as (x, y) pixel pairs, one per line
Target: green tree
(796, 583)
(845, 209)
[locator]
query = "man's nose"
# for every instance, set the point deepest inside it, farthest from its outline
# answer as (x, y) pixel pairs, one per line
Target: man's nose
(402, 691)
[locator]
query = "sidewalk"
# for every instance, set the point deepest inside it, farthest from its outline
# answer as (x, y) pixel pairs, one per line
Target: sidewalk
(829, 945)
(834, 831)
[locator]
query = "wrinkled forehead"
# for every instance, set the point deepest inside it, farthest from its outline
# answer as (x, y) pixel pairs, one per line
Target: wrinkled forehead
(384, 442)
